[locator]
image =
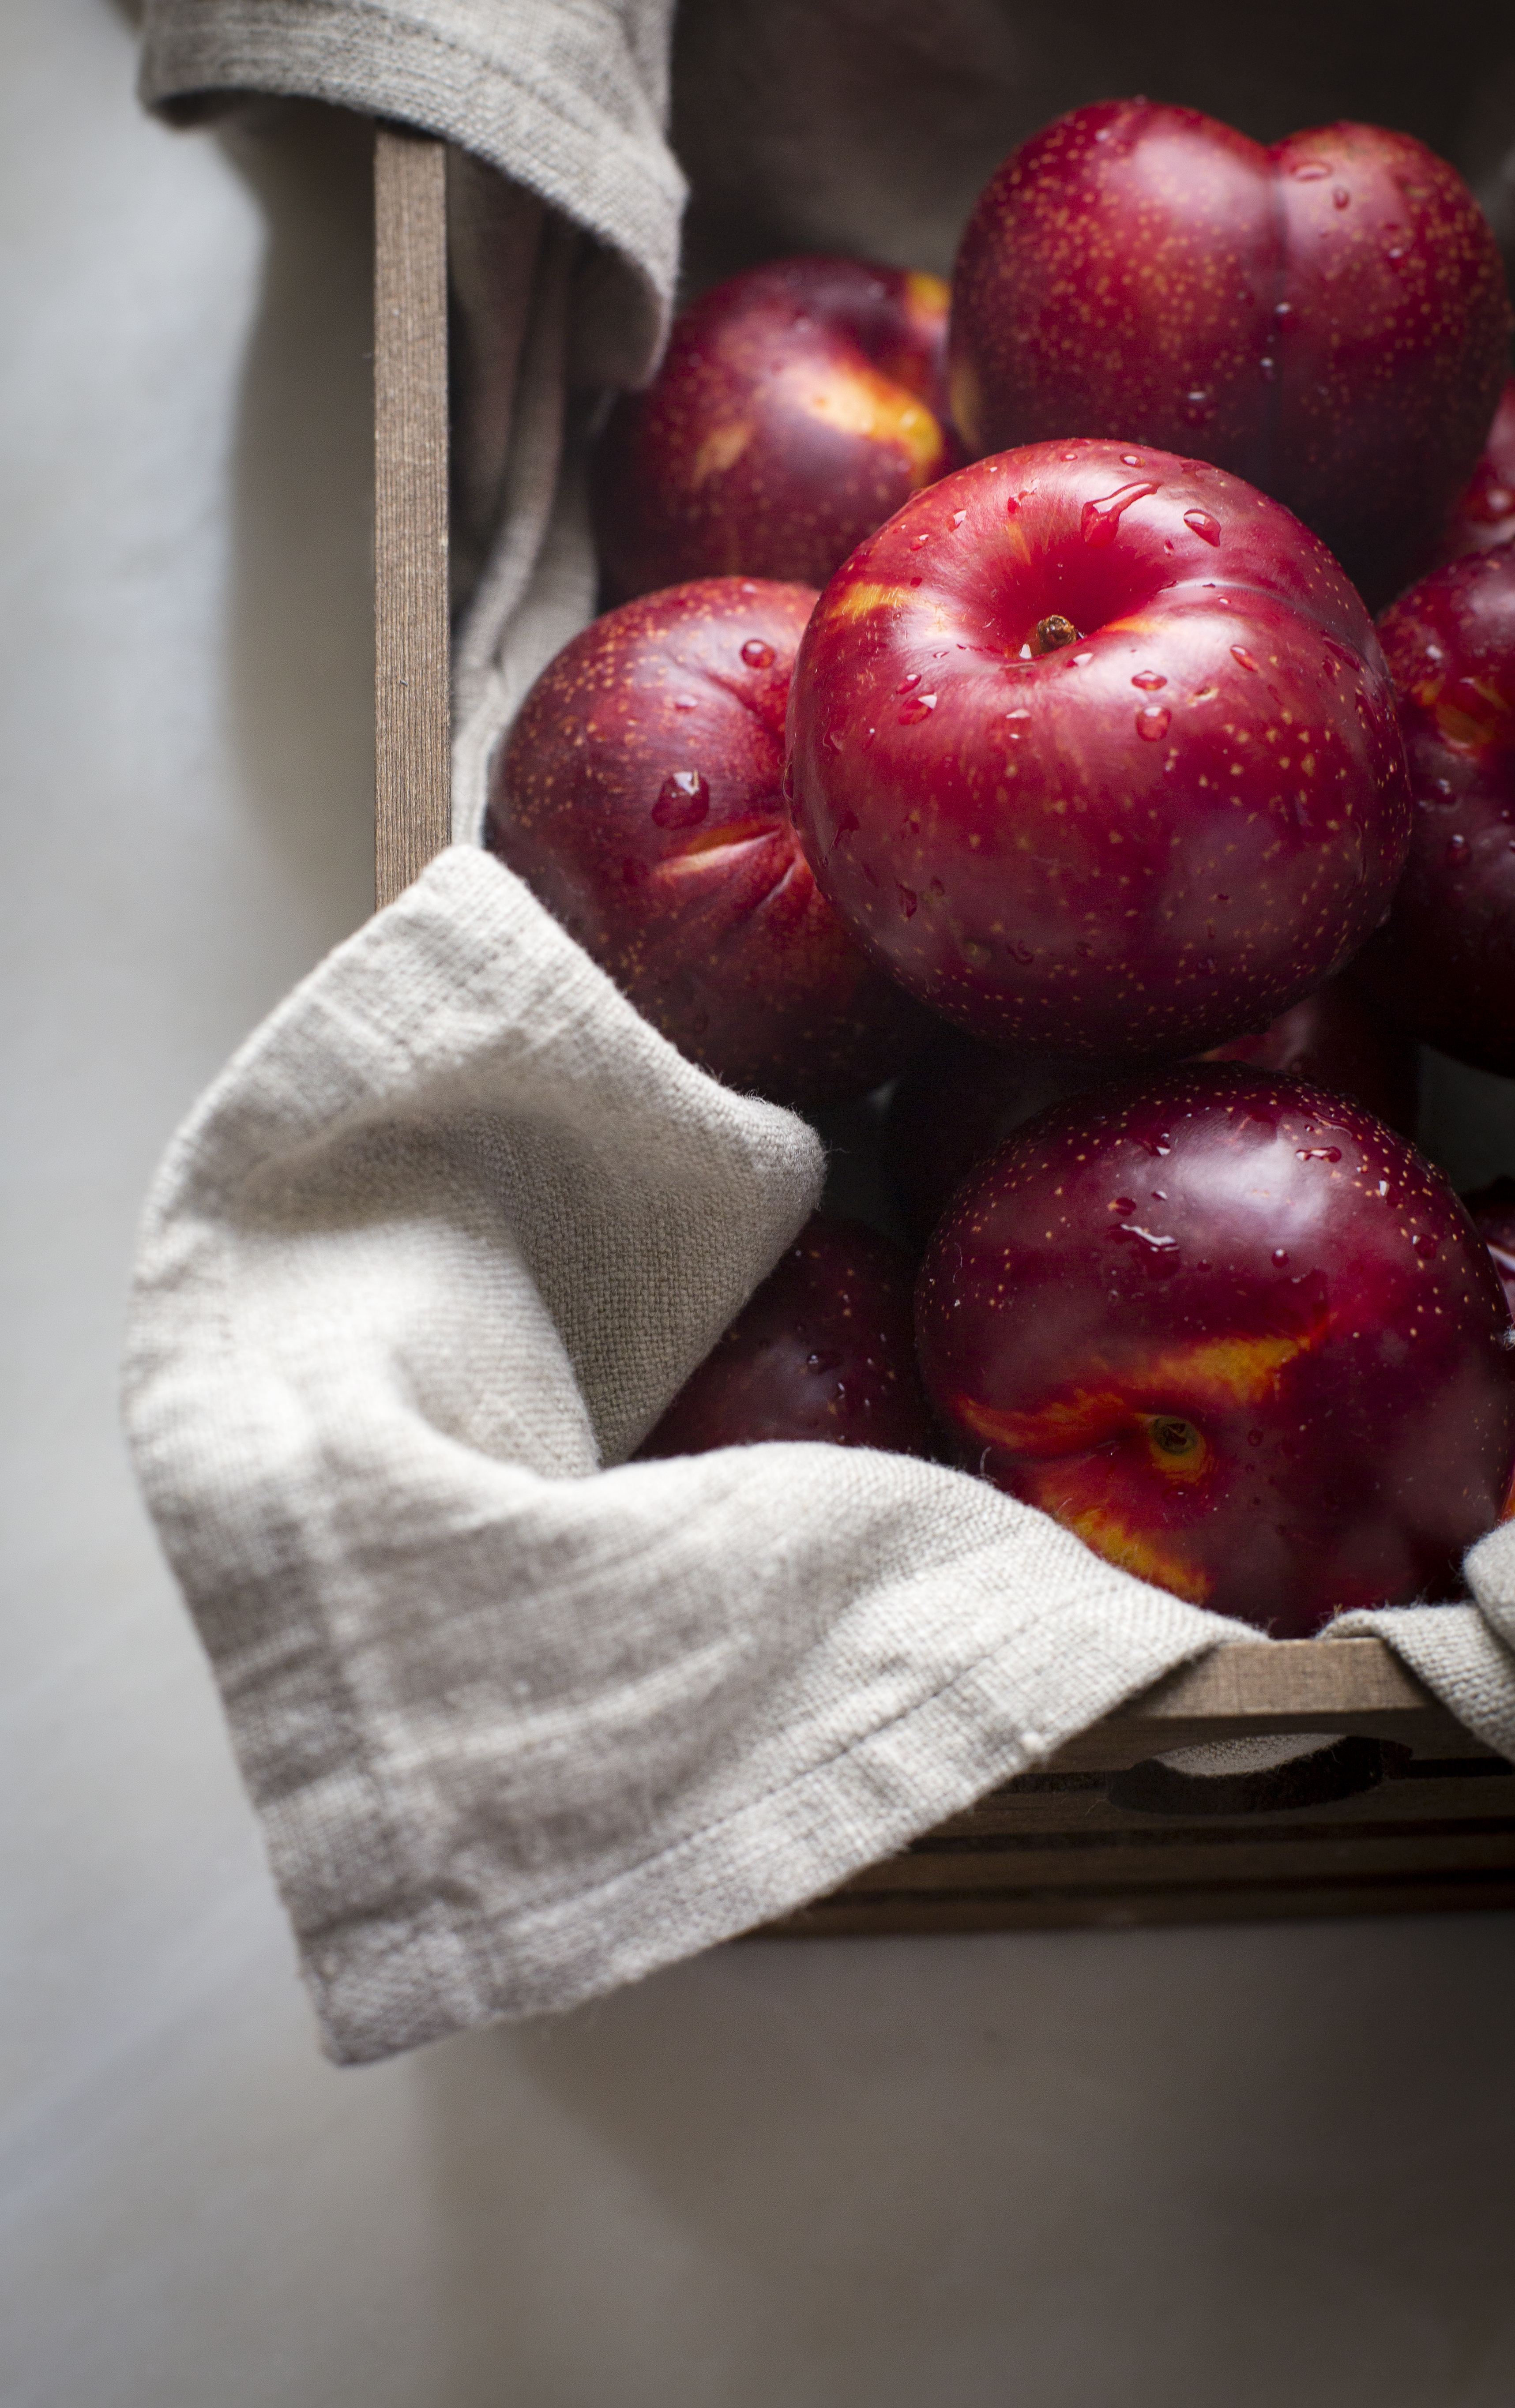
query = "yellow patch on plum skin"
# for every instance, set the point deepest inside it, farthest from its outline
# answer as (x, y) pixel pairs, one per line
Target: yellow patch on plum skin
(857, 601)
(859, 401)
(720, 449)
(1216, 1371)
(1136, 1552)
(925, 299)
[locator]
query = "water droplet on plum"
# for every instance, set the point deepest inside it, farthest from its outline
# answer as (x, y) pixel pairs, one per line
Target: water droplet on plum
(1280, 1258)
(1201, 523)
(756, 653)
(1155, 1241)
(1340, 195)
(1318, 1153)
(1457, 853)
(684, 800)
(1149, 680)
(907, 900)
(1099, 522)
(1239, 654)
(1155, 722)
(1309, 171)
(919, 705)
(1426, 1246)
(908, 684)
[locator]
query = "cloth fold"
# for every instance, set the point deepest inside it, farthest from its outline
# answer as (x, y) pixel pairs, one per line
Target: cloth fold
(523, 1719)
(1464, 1653)
(569, 98)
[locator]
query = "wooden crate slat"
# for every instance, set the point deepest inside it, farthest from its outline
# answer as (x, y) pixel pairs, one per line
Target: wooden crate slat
(412, 675)
(1449, 1799)
(1194, 1853)
(1084, 1906)
(1243, 1692)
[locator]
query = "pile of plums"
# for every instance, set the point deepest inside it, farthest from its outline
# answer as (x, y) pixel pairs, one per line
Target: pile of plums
(992, 705)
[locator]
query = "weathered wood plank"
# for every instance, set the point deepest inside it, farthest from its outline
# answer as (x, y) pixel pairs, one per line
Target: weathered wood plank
(1083, 1905)
(412, 805)
(1302, 1684)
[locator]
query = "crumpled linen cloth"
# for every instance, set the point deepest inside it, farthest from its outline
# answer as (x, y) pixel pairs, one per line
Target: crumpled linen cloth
(523, 1719)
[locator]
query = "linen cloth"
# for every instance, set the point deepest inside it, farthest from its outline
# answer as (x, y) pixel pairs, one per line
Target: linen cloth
(437, 1247)
(523, 1719)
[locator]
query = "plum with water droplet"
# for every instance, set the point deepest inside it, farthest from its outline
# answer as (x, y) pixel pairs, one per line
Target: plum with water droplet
(1282, 1386)
(962, 1097)
(798, 404)
(1327, 318)
(639, 794)
(824, 1349)
(1443, 966)
(1089, 881)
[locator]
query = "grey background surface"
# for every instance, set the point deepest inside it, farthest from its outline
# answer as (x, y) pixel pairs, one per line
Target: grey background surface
(1176, 2169)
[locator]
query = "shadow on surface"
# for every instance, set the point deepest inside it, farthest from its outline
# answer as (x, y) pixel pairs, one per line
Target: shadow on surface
(301, 645)
(1055, 2169)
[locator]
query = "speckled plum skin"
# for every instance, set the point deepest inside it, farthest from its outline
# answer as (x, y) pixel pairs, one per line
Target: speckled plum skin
(1139, 845)
(1483, 514)
(1444, 965)
(798, 405)
(639, 797)
(962, 1099)
(1237, 1335)
(1327, 318)
(1494, 1217)
(824, 1349)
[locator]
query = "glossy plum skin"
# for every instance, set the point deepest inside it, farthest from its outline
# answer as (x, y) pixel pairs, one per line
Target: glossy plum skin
(824, 1349)
(1444, 965)
(1327, 318)
(1139, 844)
(1494, 1217)
(1484, 512)
(797, 407)
(1237, 1335)
(962, 1098)
(639, 797)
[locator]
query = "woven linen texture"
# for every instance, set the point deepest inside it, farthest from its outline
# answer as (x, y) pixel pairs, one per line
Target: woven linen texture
(437, 1247)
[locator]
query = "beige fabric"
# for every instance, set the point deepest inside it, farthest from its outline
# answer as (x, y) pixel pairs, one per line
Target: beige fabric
(440, 1242)
(1464, 1653)
(566, 97)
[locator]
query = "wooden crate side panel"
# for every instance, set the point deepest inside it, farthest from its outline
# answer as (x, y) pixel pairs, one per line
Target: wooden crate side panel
(412, 682)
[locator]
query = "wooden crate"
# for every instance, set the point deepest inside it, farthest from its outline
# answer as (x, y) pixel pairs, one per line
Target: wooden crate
(1407, 1813)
